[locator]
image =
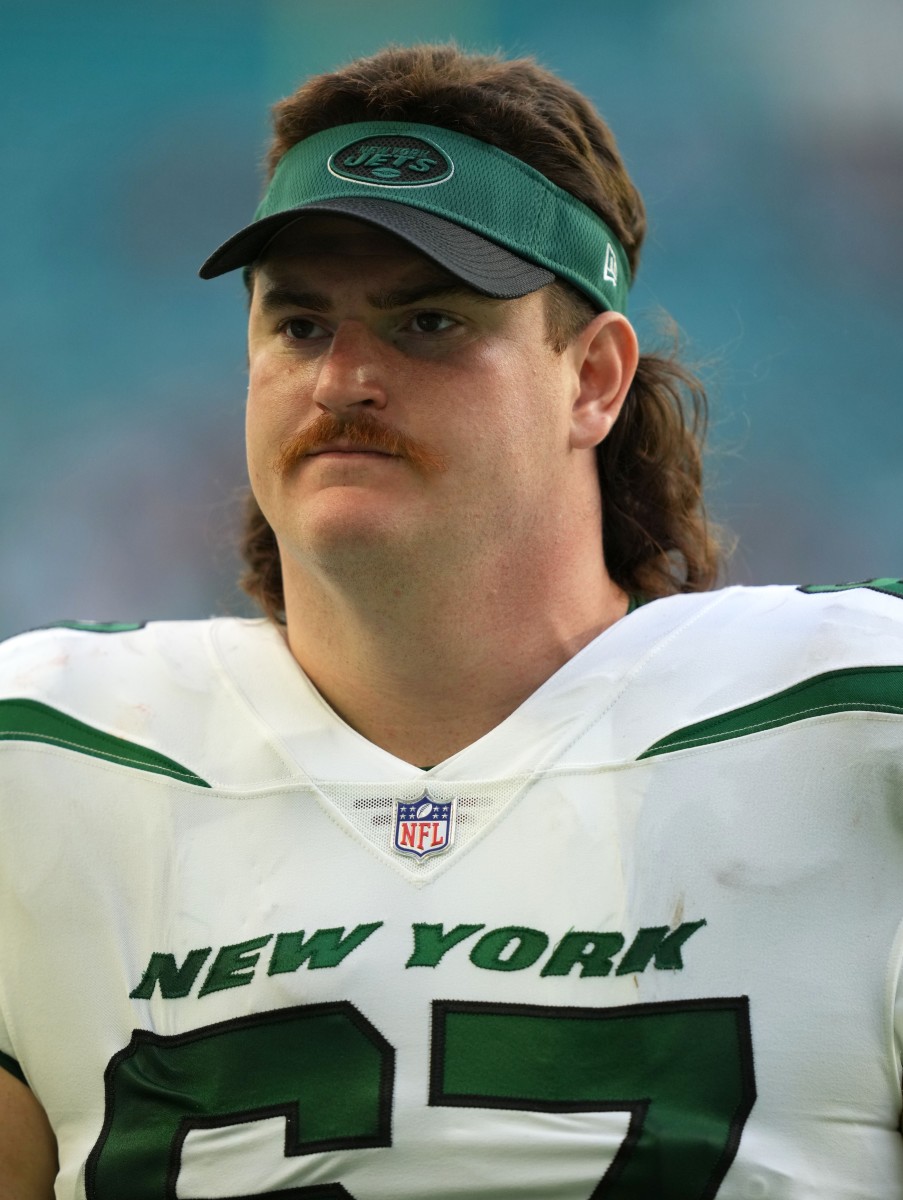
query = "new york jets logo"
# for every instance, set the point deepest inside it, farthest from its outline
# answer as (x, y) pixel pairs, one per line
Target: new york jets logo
(391, 160)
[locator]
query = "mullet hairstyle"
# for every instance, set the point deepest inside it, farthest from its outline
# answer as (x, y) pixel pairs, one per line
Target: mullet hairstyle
(656, 537)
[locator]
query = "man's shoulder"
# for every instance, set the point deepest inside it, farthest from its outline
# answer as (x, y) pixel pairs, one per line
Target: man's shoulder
(50, 655)
(818, 621)
(812, 618)
(747, 658)
(153, 697)
(857, 594)
(76, 665)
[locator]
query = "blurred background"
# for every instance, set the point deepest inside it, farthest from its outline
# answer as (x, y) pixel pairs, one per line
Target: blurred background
(765, 136)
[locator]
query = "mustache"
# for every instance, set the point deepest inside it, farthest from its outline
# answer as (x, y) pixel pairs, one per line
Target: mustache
(364, 431)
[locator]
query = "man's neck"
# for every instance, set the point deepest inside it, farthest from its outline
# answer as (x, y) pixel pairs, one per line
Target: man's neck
(425, 670)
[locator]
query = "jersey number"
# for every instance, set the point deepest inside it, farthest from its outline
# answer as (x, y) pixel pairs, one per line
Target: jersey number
(683, 1071)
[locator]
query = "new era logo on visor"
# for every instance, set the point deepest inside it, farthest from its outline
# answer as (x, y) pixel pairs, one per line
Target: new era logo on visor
(391, 161)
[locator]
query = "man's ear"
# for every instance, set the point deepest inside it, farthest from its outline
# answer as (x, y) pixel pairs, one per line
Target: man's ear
(606, 354)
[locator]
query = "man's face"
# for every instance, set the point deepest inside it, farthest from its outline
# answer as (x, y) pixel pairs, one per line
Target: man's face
(391, 407)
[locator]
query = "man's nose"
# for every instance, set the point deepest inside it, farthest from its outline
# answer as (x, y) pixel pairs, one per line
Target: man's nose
(354, 371)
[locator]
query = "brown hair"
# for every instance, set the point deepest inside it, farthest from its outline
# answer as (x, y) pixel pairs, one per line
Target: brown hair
(656, 538)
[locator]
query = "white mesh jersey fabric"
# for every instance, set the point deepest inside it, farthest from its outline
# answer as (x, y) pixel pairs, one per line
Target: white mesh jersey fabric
(371, 812)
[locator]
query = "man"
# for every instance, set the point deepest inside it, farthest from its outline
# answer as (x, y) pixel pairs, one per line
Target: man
(503, 858)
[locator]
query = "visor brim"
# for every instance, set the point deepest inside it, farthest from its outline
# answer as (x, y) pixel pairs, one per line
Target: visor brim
(482, 264)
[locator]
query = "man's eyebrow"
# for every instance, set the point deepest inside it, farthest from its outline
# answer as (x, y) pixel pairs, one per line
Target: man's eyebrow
(430, 290)
(277, 297)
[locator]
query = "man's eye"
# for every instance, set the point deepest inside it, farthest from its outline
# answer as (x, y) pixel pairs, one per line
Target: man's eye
(301, 329)
(431, 322)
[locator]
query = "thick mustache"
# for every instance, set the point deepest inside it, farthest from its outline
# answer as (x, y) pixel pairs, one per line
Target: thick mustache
(364, 431)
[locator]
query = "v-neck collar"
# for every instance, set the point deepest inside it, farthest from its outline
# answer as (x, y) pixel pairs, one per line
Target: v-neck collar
(323, 746)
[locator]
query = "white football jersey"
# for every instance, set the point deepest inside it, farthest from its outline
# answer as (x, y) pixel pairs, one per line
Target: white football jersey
(642, 941)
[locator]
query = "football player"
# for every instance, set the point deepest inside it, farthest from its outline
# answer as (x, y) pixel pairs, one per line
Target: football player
(502, 858)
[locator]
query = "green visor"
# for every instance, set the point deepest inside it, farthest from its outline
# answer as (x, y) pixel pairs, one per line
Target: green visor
(484, 215)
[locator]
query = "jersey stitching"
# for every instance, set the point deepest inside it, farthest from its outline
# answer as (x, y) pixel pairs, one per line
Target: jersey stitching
(621, 765)
(631, 674)
(817, 681)
(216, 657)
(893, 983)
(777, 722)
(49, 740)
(767, 726)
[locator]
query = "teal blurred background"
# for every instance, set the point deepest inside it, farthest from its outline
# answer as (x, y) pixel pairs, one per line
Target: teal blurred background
(766, 138)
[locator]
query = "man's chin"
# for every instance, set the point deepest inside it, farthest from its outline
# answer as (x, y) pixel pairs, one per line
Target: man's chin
(340, 537)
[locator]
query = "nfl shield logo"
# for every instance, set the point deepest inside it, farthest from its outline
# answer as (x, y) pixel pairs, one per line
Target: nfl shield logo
(424, 826)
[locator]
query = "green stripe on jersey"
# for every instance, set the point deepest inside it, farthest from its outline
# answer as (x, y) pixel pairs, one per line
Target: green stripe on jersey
(98, 626)
(888, 587)
(31, 721)
(9, 1064)
(855, 689)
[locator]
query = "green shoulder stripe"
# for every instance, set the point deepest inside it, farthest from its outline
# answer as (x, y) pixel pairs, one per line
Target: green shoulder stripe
(97, 626)
(855, 689)
(31, 721)
(10, 1065)
(888, 587)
